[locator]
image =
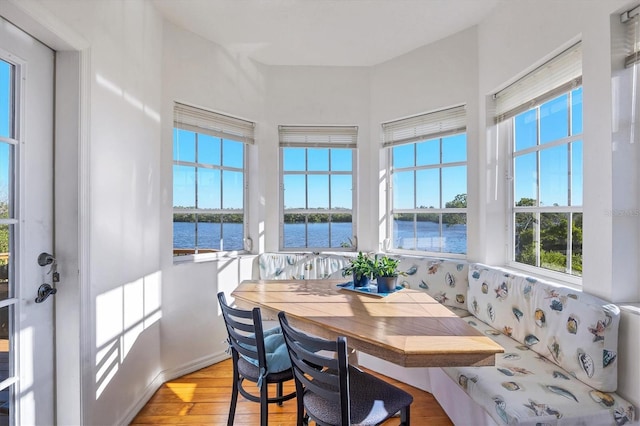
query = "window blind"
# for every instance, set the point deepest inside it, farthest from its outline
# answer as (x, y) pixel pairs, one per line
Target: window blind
(631, 19)
(425, 126)
(558, 75)
(188, 117)
(319, 136)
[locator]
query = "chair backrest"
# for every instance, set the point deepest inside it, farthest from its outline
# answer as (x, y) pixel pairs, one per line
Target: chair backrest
(319, 366)
(245, 333)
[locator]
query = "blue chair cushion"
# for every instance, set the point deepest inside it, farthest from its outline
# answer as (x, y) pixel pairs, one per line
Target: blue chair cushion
(276, 351)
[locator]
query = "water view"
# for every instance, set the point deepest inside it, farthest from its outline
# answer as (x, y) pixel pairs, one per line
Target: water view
(426, 238)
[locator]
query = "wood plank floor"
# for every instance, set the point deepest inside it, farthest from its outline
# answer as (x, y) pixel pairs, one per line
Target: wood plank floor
(203, 398)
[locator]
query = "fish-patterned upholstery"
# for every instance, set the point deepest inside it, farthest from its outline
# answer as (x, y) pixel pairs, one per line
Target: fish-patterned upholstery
(560, 360)
(301, 266)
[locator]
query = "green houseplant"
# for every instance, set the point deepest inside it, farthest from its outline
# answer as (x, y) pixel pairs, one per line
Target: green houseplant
(386, 273)
(362, 268)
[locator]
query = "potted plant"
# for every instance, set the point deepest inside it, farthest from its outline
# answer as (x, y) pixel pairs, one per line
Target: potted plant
(386, 273)
(362, 267)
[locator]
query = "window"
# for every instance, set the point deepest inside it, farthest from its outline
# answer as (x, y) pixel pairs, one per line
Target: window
(428, 184)
(209, 181)
(546, 207)
(318, 187)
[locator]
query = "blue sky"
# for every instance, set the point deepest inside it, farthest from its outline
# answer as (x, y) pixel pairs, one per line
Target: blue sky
(5, 84)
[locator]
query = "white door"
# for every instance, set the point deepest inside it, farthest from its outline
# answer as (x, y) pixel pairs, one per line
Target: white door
(26, 229)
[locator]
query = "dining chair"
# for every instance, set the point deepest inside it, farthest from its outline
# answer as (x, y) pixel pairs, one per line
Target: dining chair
(332, 392)
(258, 356)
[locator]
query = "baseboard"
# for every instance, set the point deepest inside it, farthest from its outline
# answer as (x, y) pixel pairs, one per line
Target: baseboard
(167, 375)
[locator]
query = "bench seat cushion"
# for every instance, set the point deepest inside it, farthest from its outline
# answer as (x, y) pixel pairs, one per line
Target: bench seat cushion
(525, 388)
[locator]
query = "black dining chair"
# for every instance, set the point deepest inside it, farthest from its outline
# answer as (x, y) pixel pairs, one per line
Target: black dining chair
(332, 392)
(258, 356)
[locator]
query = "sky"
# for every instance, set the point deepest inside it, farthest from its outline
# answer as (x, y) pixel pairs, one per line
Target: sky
(5, 84)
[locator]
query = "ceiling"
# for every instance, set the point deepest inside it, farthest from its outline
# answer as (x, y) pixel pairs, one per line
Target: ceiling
(324, 32)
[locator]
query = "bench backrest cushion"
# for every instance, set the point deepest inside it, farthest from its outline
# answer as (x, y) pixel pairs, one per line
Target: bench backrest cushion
(445, 280)
(572, 329)
(301, 266)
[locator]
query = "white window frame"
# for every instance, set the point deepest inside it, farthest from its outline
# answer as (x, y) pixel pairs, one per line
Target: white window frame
(560, 75)
(433, 125)
(226, 127)
(327, 137)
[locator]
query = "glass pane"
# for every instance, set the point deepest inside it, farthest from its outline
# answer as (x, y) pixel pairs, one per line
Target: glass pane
(208, 188)
(554, 119)
(428, 152)
(184, 145)
(208, 150)
(454, 233)
(184, 231)
(295, 231)
(526, 130)
(318, 192)
(184, 186)
(403, 190)
(404, 156)
(342, 160)
(525, 244)
(233, 232)
(454, 184)
(294, 192)
(232, 154)
(342, 230)
(208, 235)
(576, 111)
(428, 232)
(293, 159)
(404, 236)
(526, 180)
(576, 173)
(554, 232)
(554, 176)
(5, 179)
(318, 230)
(318, 159)
(576, 245)
(5, 99)
(341, 192)
(5, 345)
(6, 290)
(428, 189)
(232, 190)
(454, 148)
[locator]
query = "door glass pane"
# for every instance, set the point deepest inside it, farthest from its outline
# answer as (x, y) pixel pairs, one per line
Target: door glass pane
(5, 99)
(5, 176)
(6, 289)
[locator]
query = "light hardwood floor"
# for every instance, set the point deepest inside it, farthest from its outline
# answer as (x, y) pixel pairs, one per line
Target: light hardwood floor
(203, 398)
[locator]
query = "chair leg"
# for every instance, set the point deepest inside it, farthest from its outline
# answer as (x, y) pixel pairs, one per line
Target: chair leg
(405, 416)
(279, 387)
(234, 398)
(264, 404)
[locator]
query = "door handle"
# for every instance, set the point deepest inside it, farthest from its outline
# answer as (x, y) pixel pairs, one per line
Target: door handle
(44, 291)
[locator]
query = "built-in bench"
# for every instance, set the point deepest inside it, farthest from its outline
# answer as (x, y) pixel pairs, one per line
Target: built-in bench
(560, 360)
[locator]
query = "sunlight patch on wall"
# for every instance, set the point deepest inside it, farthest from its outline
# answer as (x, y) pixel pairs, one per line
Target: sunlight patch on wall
(122, 315)
(128, 97)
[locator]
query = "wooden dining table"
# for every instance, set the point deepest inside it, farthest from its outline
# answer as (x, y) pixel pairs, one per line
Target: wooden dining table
(407, 327)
